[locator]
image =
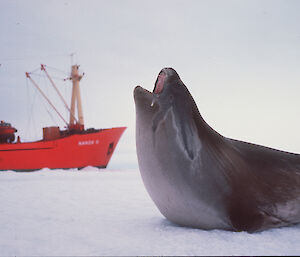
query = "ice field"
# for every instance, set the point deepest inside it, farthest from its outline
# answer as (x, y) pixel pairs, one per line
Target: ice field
(108, 212)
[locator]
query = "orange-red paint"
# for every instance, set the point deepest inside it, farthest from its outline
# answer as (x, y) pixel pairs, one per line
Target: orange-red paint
(71, 151)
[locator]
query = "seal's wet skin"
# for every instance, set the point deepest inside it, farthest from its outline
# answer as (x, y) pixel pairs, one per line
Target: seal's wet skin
(198, 178)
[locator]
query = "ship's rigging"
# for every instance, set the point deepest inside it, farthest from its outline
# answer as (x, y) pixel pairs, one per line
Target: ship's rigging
(75, 123)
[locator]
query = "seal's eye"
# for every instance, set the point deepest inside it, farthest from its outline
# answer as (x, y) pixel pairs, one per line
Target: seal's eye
(159, 84)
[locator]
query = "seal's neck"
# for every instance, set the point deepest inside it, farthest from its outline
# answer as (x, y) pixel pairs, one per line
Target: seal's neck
(207, 134)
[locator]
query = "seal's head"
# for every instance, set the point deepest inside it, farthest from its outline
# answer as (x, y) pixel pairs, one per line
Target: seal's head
(168, 90)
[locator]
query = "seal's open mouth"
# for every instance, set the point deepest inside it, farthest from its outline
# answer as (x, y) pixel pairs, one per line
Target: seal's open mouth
(159, 84)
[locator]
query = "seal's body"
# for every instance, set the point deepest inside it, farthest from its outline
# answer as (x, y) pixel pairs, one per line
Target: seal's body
(198, 178)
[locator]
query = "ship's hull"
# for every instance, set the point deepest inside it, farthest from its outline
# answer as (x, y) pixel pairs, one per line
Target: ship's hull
(73, 151)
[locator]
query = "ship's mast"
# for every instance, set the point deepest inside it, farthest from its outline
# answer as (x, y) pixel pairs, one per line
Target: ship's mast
(76, 98)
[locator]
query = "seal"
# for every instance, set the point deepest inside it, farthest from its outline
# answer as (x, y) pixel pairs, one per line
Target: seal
(201, 179)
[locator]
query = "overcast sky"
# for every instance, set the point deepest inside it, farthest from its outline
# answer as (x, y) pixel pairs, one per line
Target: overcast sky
(239, 59)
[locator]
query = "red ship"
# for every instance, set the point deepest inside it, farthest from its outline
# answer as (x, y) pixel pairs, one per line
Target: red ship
(73, 147)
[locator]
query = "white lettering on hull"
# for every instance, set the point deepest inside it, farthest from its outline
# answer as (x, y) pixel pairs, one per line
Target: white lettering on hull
(88, 142)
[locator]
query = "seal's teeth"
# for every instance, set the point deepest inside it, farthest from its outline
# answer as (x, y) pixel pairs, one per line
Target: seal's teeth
(152, 103)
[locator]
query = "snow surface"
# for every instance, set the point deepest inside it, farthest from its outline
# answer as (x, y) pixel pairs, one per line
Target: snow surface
(108, 212)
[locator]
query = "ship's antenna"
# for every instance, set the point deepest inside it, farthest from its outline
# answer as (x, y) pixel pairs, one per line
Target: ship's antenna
(72, 58)
(42, 93)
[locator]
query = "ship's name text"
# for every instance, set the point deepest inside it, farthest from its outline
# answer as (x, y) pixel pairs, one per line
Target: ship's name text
(88, 142)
